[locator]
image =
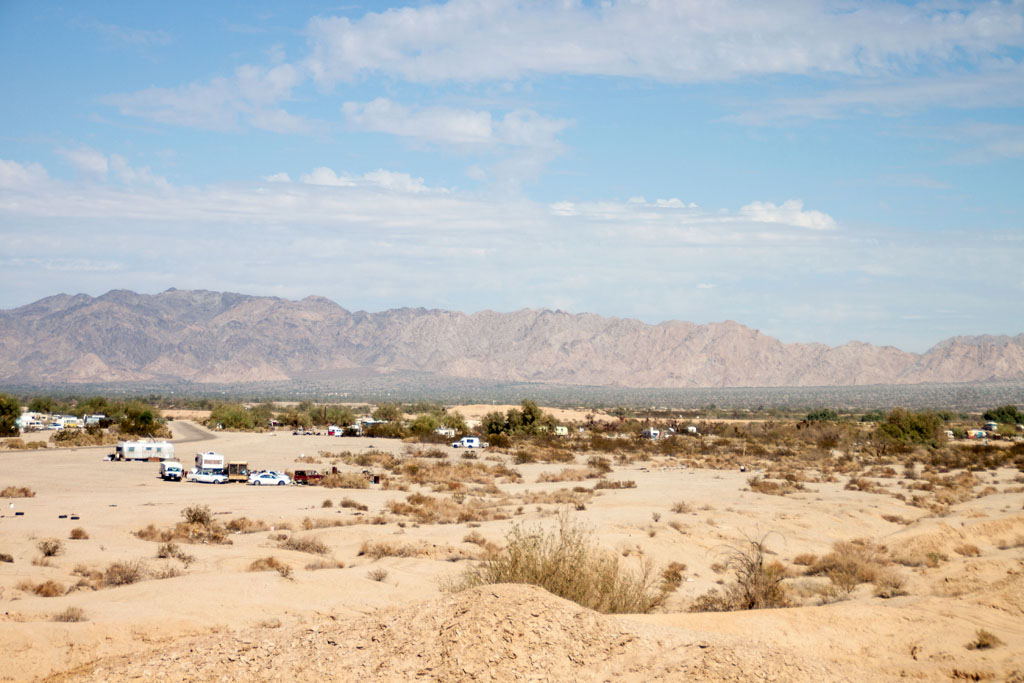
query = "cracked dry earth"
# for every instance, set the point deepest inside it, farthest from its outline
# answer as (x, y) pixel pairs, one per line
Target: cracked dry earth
(493, 633)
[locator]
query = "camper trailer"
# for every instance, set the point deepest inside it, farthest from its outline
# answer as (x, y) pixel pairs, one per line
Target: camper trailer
(144, 450)
(210, 461)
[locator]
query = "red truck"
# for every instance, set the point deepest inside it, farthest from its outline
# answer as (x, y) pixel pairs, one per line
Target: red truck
(307, 477)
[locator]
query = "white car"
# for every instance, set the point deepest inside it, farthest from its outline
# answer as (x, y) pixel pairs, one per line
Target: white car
(269, 479)
(207, 476)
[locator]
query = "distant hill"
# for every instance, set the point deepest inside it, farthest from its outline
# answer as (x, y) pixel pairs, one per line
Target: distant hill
(218, 337)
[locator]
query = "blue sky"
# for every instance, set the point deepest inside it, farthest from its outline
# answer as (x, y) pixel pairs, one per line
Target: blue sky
(821, 171)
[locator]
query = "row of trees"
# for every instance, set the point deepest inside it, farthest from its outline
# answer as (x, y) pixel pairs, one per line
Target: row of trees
(132, 418)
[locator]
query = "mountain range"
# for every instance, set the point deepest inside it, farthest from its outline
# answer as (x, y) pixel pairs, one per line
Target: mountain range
(220, 337)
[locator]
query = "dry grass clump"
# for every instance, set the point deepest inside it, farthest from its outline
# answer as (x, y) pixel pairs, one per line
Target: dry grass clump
(328, 503)
(17, 492)
(757, 585)
(681, 507)
(566, 562)
(305, 544)
(559, 497)
(271, 563)
(672, 576)
(70, 615)
(349, 503)
(173, 550)
(851, 563)
(377, 574)
(984, 640)
(967, 550)
(378, 549)
(79, 534)
(6, 557)
(451, 476)
(569, 474)
(774, 488)
(46, 589)
(325, 564)
(124, 573)
(615, 484)
(889, 584)
(345, 480)
(244, 525)
(50, 547)
(198, 527)
(433, 510)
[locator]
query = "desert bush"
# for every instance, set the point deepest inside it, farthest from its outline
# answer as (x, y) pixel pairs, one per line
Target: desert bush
(244, 525)
(70, 615)
(79, 534)
(434, 510)
(345, 480)
(377, 574)
(757, 585)
(967, 550)
(48, 589)
(173, 550)
(349, 503)
(328, 503)
(305, 544)
(672, 576)
(606, 484)
(325, 564)
(775, 488)
(567, 562)
(197, 514)
(123, 573)
(851, 563)
(599, 464)
(889, 584)
(271, 563)
(681, 507)
(6, 557)
(50, 547)
(379, 549)
(984, 640)
(568, 474)
(17, 492)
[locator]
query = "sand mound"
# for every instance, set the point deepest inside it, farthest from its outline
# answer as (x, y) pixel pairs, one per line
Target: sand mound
(493, 633)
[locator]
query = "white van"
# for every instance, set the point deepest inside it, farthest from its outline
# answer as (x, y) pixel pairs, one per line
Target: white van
(171, 470)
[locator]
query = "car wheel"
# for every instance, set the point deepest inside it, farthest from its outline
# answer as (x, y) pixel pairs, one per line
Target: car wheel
(280, 483)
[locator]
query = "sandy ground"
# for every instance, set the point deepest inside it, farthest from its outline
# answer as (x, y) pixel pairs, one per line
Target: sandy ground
(218, 619)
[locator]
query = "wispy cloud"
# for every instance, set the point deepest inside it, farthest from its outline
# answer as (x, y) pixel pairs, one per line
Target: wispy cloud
(697, 41)
(132, 36)
(250, 97)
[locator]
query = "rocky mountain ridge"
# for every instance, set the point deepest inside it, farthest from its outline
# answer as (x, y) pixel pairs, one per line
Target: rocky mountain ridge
(220, 337)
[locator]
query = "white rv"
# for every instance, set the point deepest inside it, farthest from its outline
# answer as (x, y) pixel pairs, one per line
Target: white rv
(210, 461)
(144, 450)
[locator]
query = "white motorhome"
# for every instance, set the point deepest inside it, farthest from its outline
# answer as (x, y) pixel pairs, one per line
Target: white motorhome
(210, 461)
(171, 470)
(144, 450)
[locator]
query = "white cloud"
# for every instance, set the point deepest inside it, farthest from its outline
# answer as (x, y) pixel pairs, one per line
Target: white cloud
(451, 126)
(21, 176)
(87, 160)
(96, 163)
(702, 40)
(790, 212)
(278, 178)
(133, 36)
(387, 180)
(250, 97)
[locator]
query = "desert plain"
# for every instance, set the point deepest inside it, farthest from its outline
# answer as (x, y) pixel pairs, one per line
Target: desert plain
(365, 591)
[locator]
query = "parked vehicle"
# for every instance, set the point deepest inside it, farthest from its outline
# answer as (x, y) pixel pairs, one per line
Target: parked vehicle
(470, 442)
(171, 470)
(143, 450)
(210, 461)
(307, 477)
(269, 479)
(207, 476)
(238, 470)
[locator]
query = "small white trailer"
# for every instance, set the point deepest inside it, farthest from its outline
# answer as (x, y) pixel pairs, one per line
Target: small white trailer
(144, 450)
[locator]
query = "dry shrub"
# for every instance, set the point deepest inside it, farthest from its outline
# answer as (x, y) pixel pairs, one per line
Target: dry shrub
(79, 534)
(606, 484)
(447, 475)
(567, 562)
(197, 514)
(672, 576)
(167, 572)
(328, 503)
(897, 519)
(271, 563)
(173, 550)
(377, 574)
(48, 589)
(17, 492)
(681, 507)
(308, 523)
(984, 640)
(70, 615)
(805, 559)
(325, 564)
(244, 525)
(432, 510)
(568, 474)
(889, 584)
(349, 503)
(475, 537)
(305, 544)
(379, 549)
(6, 557)
(50, 547)
(345, 480)
(600, 465)
(559, 497)
(967, 550)
(757, 585)
(851, 563)
(123, 573)
(775, 488)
